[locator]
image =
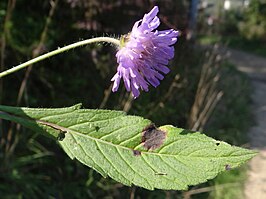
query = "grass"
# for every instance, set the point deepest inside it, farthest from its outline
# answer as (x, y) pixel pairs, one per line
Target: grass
(252, 46)
(208, 39)
(256, 47)
(230, 185)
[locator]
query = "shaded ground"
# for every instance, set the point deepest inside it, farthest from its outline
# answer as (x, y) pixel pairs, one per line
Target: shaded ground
(255, 67)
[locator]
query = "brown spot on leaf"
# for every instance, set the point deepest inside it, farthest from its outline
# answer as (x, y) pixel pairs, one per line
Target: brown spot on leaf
(152, 137)
(227, 167)
(161, 174)
(61, 135)
(136, 152)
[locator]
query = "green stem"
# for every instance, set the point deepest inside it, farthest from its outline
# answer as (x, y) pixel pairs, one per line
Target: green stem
(58, 51)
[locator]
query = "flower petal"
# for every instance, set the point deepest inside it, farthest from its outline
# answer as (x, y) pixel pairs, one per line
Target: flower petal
(149, 16)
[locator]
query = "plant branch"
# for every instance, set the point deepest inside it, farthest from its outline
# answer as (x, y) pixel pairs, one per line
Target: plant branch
(58, 51)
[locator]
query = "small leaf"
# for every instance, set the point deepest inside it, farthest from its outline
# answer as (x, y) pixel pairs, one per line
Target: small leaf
(131, 149)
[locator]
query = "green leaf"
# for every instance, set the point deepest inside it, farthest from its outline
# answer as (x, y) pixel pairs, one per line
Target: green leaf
(130, 149)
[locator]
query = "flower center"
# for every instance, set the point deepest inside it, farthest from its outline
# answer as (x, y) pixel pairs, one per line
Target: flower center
(124, 39)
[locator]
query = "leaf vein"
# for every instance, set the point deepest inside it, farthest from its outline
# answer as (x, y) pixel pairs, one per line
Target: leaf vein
(169, 144)
(110, 162)
(87, 155)
(115, 131)
(155, 172)
(128, 140)
(132, 168)
(83, 123)
(173, 169)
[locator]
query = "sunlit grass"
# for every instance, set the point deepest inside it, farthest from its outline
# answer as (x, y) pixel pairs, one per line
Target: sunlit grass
(252, 46)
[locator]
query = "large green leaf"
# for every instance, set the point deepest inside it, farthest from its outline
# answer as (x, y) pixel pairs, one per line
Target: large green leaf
(130, 149)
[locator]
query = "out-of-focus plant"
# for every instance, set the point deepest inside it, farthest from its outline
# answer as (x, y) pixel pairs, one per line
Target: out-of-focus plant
(254, 24)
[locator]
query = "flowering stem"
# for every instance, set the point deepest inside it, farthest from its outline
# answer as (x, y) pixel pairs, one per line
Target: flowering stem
(58, 51)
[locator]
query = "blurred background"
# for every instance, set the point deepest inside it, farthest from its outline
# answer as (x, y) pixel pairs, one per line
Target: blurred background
(204, 90)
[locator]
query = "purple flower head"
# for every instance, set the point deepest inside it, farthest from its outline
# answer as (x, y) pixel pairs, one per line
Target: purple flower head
(144, 55)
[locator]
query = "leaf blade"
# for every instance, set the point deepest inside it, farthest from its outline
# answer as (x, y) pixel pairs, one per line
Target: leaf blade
(112, 143)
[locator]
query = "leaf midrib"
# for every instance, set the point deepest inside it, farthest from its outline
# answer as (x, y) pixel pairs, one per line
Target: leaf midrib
(143, 152)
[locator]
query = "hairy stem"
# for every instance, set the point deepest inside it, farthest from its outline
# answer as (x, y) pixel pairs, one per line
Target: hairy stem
(58, 51)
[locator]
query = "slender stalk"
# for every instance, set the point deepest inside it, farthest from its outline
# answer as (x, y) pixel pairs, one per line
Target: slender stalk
(58, 51)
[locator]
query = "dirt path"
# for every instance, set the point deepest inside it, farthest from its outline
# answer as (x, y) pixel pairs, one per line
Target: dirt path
(255, 68)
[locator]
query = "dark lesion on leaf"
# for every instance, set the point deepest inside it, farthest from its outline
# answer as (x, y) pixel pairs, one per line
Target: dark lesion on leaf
(217, 143)
(152, 137)
(97, 128)
(62, 130)
(228, 167)
(61, 135)
(160, 174)
(136, 152)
